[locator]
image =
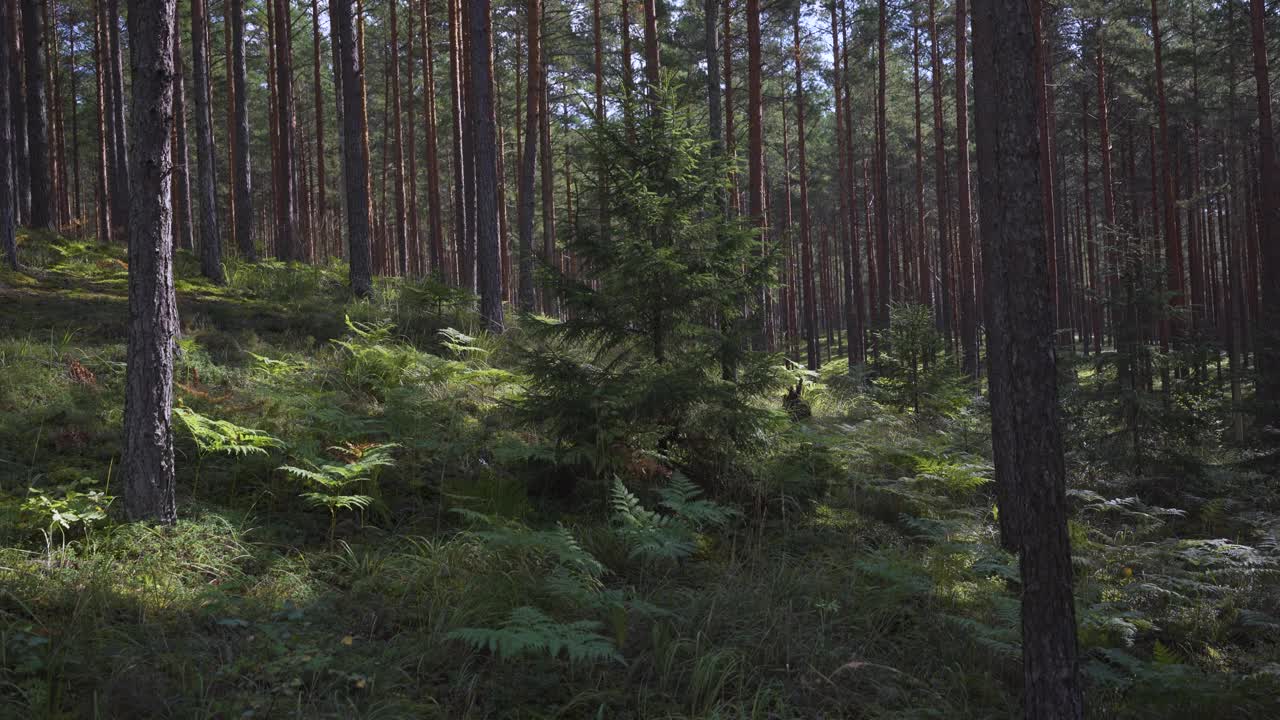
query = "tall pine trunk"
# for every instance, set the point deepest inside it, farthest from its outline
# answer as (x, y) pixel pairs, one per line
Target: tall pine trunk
(432, 145)
(964, 213)
(480, 113)
(528, 158)
(1026, 437)
(1269, 336)
(148, 464)
(38, 159)
(806, 245)
(8, 211)
(355, 157)
(882, 177)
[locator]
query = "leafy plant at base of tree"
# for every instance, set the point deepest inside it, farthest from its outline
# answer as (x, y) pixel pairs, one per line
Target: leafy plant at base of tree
(73, 509)
(222, 437)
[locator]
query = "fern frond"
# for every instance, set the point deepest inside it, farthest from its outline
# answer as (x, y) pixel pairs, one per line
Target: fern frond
(527, 631)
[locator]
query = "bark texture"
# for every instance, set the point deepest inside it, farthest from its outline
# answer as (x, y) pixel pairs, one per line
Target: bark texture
(1026, 435)
(148, 463)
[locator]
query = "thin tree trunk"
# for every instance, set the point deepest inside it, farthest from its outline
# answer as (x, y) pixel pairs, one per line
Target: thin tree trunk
(210, 238)
(400, 223)
(432, 143)
(38, 165)
(121, 191)
(1173, 241)
(882, 176)
(964, 214)
(105, 146)
(322, 181)
(8, 214)
(528, 158)
(806, 245)
(182, 227)
(18, 113)
(922, 289)
(355, 157)
(286, 201)
(241, 173)
(460, 181)
(148, 462)
(755, 129)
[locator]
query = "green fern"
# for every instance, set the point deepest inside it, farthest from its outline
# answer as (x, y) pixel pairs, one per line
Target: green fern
(527, 631)
(330, 480)
(221, 436)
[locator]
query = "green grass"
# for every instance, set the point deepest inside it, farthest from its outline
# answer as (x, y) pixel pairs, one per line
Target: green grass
(861, 579)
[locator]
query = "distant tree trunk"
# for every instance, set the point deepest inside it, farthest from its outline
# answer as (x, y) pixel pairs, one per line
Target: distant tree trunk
(1108, 187)
(322, 181)
(842, 181)
(730, 141)
(1026, 437)
(1269, 338)
(18, 113)
(711, 49)
(529, 156)
(241, 172)
(8, 214)
(460, 180)
(806, 245)
(105, 146)
(882, 177)
(855, 319)
(549, 254)
(397, 156)
(481, 115)
(652, 63)
(287, 248)
(1094, 279)
(1044, 106)
(1172, 239)
(148, 463)
(355, 158)
(964, 215)
(210, 238)
(411, 155)
(628, 72)
(755, 129)
(922, 266)
(73, 63)
(940, 183)
(182, 229)
(433, 152)
(36, 61)
(121, 191)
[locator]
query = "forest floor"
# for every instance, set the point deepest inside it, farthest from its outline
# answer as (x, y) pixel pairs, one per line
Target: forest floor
(427, 560)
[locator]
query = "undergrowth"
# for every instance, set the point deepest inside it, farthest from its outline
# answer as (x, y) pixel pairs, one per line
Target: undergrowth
(372, 528)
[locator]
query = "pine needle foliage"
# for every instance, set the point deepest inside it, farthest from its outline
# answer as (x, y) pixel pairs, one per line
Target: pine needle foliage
(653, 334)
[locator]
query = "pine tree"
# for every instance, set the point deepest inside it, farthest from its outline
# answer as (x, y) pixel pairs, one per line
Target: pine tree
(148, 461)
(1022, 374)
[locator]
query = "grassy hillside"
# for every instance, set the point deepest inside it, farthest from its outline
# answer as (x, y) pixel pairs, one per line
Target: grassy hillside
(373, 526)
